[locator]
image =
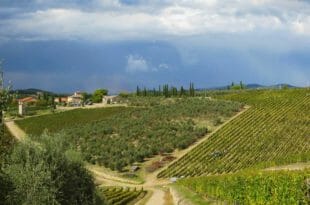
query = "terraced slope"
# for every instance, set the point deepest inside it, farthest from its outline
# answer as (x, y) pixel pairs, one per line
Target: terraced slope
(274, 131)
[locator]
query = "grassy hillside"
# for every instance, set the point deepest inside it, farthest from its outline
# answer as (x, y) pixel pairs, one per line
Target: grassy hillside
(253, 188)
(275, 130)
(58, 121)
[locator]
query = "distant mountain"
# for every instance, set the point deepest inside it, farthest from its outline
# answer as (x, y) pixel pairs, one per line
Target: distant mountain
(282, 85)
(252, 86)
(255, 86)
(31, 91)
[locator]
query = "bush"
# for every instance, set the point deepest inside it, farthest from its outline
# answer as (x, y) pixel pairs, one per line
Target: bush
(47, 174)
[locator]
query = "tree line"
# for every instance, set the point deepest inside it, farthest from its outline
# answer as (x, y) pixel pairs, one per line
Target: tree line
(167, 91)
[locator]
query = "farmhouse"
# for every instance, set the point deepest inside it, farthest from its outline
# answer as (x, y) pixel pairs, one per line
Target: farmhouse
(30, 99)
(75, 99)
(109, 99)
(23, 102)
(61, 100)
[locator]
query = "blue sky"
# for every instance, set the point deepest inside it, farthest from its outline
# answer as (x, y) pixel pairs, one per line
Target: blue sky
(67, 45)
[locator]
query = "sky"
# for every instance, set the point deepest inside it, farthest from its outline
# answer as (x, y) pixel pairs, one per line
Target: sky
(68, 45)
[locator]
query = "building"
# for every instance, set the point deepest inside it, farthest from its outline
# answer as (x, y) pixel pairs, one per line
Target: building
(75, 99)
(61, 99)
(23, 102)
(109, 99)
(30, 99)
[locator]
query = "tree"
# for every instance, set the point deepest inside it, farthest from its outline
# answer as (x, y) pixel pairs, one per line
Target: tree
(98, 95)
(182, 91)
(174, 91)
(144, 92)
(138, 91)
(191, 90)
(239, 86)
(4, 97)
(85, 96)
(166, 90)
(48, 173)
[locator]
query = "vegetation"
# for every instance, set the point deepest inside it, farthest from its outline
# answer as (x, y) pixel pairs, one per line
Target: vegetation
(239, 86)
(120, 195)
(273, 131)
(131, 136)
(166, 91)
(6, 144)
(98, 95)
(284, 187)
(58, 121)
(45, 174)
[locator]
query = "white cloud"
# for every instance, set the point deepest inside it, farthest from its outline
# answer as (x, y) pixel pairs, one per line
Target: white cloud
(163, 66)
(158, 19)
(136, 63)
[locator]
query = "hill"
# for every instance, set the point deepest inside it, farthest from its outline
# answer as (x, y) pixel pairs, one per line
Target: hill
(31, 91)
(252, 86)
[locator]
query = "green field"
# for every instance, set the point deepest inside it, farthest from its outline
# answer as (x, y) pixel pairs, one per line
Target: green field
(120, 195)
(274, 131)
(58, 121)
(132, 135)
(261, 188)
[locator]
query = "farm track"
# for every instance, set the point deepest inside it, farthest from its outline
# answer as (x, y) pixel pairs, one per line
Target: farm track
(290, 167)
(13, 128)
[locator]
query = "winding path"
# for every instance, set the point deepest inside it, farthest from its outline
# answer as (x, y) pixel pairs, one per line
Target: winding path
(18, 133)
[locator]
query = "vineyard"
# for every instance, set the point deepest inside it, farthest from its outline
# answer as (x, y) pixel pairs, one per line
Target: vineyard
(274, 131)
(137, 133)
(58, 121)
(283, 188)
(120, 195)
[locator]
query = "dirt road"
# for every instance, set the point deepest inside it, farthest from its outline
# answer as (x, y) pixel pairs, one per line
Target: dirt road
(18, 133)
(290, 167)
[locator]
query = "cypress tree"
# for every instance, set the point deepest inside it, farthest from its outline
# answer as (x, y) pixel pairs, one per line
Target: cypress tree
(182, 91)
(138, 91)
(144, 92)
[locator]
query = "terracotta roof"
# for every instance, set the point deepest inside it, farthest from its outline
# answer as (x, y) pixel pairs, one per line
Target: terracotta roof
(28, 99)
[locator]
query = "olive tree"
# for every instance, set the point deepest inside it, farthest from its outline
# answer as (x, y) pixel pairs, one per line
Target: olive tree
(47, 174)
(4, 96)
